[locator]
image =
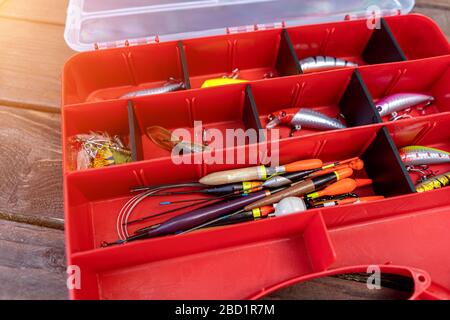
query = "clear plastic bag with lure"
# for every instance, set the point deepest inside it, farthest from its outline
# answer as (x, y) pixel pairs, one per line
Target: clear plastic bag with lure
(395, 103)
(98, 150)
(169, 86)
(307, 118)
(419, 155)
(324, 63)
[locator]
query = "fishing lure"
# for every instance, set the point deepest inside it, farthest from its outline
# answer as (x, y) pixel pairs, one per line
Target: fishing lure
(225, 80)
(436, 182)
(169, 86)
(419, 155)
(324, 63)
(307, 118)
(166, 140)
(394, 103)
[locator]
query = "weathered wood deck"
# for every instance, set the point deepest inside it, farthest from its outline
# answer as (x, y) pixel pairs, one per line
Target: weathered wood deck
(32, 54)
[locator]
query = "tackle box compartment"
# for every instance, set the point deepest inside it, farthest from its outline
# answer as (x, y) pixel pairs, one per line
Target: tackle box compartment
(240, 261)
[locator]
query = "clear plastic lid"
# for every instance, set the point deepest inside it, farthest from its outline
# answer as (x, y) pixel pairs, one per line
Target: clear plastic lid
(110, 23)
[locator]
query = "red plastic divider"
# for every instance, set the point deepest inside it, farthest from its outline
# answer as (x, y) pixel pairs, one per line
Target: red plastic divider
(418, 36)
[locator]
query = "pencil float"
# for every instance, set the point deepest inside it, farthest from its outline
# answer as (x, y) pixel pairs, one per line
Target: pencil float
(363, 182)
(347, 201)
(340, 187)
(257, 173)
(356, 165)
(228, 188)
(290, 178)
(244, 216)
(302, 188)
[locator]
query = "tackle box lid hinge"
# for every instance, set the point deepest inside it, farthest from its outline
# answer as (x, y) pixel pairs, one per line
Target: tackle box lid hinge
(255, 27)
(373, 13)
(126, 43)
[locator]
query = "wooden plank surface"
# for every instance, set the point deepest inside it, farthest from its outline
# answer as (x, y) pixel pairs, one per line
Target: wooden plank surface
(438, 10)
(31, 61)
(32, 262)
(54, 11)
(46, 11)
(31, 170)
(444, 4)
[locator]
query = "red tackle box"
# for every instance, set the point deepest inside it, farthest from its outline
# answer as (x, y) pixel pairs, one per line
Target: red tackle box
(133, 44)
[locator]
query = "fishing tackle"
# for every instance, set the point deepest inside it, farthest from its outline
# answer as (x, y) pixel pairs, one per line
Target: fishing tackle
(166, 140)
(257, 173)
(244, 216)
(167, 203)
(324, 63)
(347, 201)
(228, 188)
(344, 186)
(356, 165)
(419, 155)
(307, 118)
(394, 103)
(126, 211)
(436, 182)
(225, 80)
(206, 201)
(301, 188)
(169, 86)
(290, 178)
(424, 171)
(312, 202)
(285, 207)
(289, 205)
(194, 218)
(360, 183)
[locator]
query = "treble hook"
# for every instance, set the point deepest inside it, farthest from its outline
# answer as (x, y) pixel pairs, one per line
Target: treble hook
(422, 109)
(424, 171)
(233, 75)
(396, 116)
